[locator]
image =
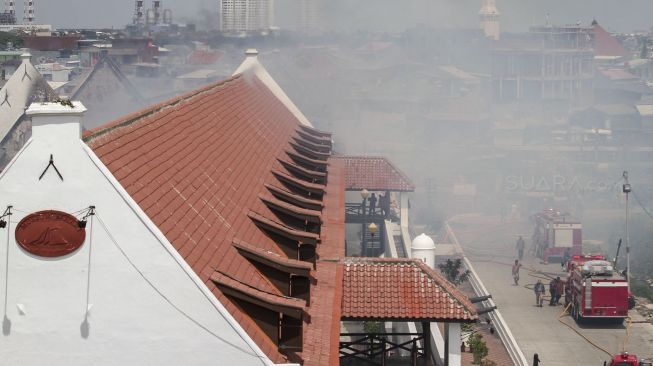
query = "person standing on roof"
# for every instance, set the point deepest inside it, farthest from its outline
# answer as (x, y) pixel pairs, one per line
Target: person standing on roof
(539, 293)
(520, 247)
(372, 203)
(515, 272)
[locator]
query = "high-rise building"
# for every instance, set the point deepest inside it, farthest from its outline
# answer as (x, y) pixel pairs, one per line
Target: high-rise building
(549, 63)
(309, 15)
(9, 14)
(489, 15)
(246, 16)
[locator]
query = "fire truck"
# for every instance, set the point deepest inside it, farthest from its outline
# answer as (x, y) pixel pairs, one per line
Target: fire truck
(554, 235)
(596, 290)
(625, 359)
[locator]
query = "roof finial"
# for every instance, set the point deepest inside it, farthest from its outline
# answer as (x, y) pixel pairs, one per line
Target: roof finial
(251, 52)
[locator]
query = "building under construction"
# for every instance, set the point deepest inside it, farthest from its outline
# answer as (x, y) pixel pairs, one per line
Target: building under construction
(547, 63)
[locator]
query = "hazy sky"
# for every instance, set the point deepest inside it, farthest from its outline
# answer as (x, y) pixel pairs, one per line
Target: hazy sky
(619, 15)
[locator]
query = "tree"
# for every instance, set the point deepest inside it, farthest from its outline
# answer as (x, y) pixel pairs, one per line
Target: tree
(478, 348)
(9, 37)
(452, 271)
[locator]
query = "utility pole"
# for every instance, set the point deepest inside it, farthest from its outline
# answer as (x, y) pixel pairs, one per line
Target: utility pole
(626, 188)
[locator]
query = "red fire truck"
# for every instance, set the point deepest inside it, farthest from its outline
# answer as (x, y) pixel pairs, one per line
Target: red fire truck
(596, 290)
(625, 359)
(554, 235)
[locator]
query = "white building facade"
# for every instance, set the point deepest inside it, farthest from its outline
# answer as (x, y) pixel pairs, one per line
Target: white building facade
(88, 279)
(242, 17)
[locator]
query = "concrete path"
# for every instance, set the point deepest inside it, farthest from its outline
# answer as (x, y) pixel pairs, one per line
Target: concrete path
(490, 246)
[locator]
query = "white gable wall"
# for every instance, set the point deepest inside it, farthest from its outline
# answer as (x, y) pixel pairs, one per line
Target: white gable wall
(130, 323)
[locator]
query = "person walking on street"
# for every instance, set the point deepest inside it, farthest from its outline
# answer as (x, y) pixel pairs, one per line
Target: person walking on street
(520, 247)
(539, 293)
(560, 288)
(536, 360)
(566, 257)
(515, 272)
(553, 291)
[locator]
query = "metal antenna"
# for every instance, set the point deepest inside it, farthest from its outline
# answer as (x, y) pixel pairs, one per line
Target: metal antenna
(626, 188)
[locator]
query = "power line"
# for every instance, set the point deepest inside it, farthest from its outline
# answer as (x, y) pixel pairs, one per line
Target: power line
(642, 205)
(179, 310)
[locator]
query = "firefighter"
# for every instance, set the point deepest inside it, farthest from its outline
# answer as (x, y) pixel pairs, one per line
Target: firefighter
(560, 289)
(515, 272)
(553, 290)
(520, 247)
(539, 293)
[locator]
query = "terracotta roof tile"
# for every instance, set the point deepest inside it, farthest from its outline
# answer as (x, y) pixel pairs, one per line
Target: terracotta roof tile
(313, 146)
(322, 164)
(273, 259)
(400, 289)
(375, 174)
(196, 165)
(299, 235)
(299, 183)
(298, 212)
(295, 198)
(316, 176)
(315, 132)
(287, 305)
(309, 152)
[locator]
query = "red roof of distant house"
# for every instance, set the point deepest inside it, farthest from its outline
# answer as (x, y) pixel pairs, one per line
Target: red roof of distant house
(617, 74)
(205, 57)
(607, 45)
(52, 43)
(198, 166)
(400, 290)
(374, 174)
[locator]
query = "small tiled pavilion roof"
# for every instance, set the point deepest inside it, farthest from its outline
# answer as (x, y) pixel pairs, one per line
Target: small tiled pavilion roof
(607, 45)
(400, 290)
(204, 167)
(374, 173)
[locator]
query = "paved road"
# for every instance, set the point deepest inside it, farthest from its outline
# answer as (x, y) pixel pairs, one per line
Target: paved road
(490, 246)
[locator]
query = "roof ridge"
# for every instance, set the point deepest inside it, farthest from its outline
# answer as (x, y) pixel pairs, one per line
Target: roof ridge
(136, 116)
(455, 294)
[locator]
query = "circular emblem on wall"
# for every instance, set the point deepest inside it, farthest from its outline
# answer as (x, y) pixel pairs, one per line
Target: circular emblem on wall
(50, 233)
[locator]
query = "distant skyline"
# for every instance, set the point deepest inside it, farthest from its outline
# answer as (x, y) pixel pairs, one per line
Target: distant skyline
(374, 15)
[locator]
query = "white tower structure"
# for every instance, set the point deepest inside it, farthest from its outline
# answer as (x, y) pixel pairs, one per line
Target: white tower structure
(489, 15)
(423, 248)
(138, 12)
(29, 12)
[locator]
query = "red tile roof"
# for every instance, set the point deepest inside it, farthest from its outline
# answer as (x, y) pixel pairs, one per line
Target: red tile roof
(197, 164)
(606, 45)
(321, 344)
(204, 57)
(273, 259)
(295, 211)
(400, 289)
(288, 305)
(374, 174)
